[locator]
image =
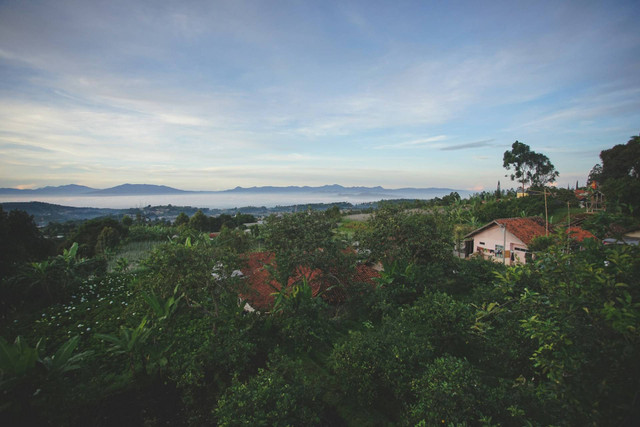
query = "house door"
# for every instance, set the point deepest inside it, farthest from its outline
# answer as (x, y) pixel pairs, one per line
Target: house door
(468, 248)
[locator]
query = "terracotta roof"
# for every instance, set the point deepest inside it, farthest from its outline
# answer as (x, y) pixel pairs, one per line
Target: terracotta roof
(261, 286)
(579, 234)
(581, 193)
(524, 229)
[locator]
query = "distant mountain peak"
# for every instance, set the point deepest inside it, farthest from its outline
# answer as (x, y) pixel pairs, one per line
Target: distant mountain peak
(129, 189)
(137, 189)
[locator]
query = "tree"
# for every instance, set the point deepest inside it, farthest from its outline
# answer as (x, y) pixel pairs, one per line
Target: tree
(181, 219)
(20, 241)
(282, 395)
(204, 273)
(528, 166)
(89, 232)
(199, 221)
(305, 239)
(595, 174)
(127, 221)
(408, 237)
(620, 175)
(108, 238)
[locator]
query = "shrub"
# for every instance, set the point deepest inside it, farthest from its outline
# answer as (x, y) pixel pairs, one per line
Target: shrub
(281, 395)
(449, 393)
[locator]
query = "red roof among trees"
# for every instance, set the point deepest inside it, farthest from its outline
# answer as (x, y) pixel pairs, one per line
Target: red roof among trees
(261, 286)
(525, 229)
(579, 234)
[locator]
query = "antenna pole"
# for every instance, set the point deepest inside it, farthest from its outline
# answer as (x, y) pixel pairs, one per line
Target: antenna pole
(546, 213)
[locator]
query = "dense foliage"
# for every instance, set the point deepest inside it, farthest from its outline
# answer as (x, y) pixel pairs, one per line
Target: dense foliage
(619, 175)
(528, 166)
(20, 242)
(436, 340)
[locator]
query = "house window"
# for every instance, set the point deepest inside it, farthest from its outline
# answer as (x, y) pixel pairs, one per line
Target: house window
(482, 243)
(499, 251)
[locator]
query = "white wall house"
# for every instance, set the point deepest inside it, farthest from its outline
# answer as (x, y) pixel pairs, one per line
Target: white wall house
(505, 240)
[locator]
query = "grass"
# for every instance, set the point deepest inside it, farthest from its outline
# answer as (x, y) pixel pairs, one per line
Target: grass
(133, 252)
(97, 306)
(348, 227)
(559, 216)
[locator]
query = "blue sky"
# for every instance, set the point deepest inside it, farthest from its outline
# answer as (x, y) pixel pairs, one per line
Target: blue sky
(216, 94)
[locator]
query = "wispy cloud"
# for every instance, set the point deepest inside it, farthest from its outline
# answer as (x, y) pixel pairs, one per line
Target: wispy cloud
(26, 147)
(466, 146)
(292, 157)
(413, 143)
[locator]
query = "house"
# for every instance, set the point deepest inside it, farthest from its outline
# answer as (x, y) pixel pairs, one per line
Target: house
(507, 239)
(261, 286)
(628, 238)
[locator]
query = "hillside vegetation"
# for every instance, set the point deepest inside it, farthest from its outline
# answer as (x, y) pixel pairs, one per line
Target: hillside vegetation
(96, 335)
(201, 321)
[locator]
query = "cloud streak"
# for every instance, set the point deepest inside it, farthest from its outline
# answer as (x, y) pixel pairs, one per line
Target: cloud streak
(466, 146)
(414, 143)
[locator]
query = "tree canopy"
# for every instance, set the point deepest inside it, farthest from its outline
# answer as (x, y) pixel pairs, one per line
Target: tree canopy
(528, 166)
(620, 175)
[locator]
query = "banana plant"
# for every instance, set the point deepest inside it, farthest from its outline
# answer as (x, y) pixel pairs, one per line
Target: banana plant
(17, 359)
(69, 255)
(63, 360)
(129, 341)
(301, 290)
(19, 371)
(161, 308)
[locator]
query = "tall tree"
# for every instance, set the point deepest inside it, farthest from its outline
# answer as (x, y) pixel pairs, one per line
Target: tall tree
(181, 219)
(528, 166)
(305, 239)
(20, 241)
(594, 175)
(620, 175)
(199, 221)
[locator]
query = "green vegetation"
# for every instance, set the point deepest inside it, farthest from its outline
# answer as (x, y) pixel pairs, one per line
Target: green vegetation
(142, 323)
(528, 166)
(619, 176)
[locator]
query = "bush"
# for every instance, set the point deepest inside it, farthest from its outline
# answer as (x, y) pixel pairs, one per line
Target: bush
(49, 281)
(449, 393)
(282, 395)
(20, 242)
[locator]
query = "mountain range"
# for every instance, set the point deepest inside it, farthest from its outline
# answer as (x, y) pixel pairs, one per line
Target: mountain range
(147, 189)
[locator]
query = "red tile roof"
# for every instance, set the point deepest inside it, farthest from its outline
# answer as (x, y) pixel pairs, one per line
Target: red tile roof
(524, 229)
(261, 286)
(579, 234)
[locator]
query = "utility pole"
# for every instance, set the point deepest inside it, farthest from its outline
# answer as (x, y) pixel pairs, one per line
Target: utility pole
(568, 224)
(546, 213)
(504, 243)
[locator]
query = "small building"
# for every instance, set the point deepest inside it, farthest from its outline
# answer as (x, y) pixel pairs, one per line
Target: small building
(507, 239)
(261, 287)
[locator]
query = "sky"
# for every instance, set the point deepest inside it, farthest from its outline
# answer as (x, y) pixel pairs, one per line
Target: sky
(217, 94)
